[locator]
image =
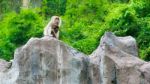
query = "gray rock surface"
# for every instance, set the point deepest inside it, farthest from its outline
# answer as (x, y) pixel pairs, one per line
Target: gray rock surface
(4, 65)
(50, 61)
(119, 63)
(145, 72)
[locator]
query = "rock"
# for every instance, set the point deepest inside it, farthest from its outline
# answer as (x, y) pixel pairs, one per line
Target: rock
(118, 61)
(4, 65)
(47, 61)
(50, 61)
(145, 72)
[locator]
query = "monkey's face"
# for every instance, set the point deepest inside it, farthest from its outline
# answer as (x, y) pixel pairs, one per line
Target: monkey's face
(56, 21)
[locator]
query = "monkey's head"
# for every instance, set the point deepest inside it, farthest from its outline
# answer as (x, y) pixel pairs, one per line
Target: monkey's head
(55, 21)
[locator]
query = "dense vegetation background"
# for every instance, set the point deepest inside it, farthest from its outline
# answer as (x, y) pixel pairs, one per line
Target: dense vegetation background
(84, 22)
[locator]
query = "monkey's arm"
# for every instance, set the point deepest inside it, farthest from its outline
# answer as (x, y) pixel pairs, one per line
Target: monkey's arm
(47, 30)
(53, 33)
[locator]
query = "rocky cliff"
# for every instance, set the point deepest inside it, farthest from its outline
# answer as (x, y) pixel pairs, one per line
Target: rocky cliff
(50, 61)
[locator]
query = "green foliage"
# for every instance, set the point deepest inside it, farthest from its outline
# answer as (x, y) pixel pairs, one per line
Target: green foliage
(145, 53)
(16, 29)
(53, 7)
(81, 27)
(7, 6)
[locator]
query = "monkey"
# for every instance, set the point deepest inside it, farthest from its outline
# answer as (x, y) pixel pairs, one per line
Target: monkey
(52, 28)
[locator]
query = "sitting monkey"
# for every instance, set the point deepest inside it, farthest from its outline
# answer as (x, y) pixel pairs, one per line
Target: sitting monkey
(52, 28)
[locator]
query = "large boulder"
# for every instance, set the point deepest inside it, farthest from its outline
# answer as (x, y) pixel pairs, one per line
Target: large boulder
(118, 60)
(50, 61)
(46, 61)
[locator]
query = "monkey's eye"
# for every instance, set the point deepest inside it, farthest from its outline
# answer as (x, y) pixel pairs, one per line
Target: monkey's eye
(57, 18)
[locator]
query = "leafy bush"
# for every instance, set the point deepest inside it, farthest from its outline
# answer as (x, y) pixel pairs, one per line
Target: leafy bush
(53, 7)
(81, 28)
(16, 29)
